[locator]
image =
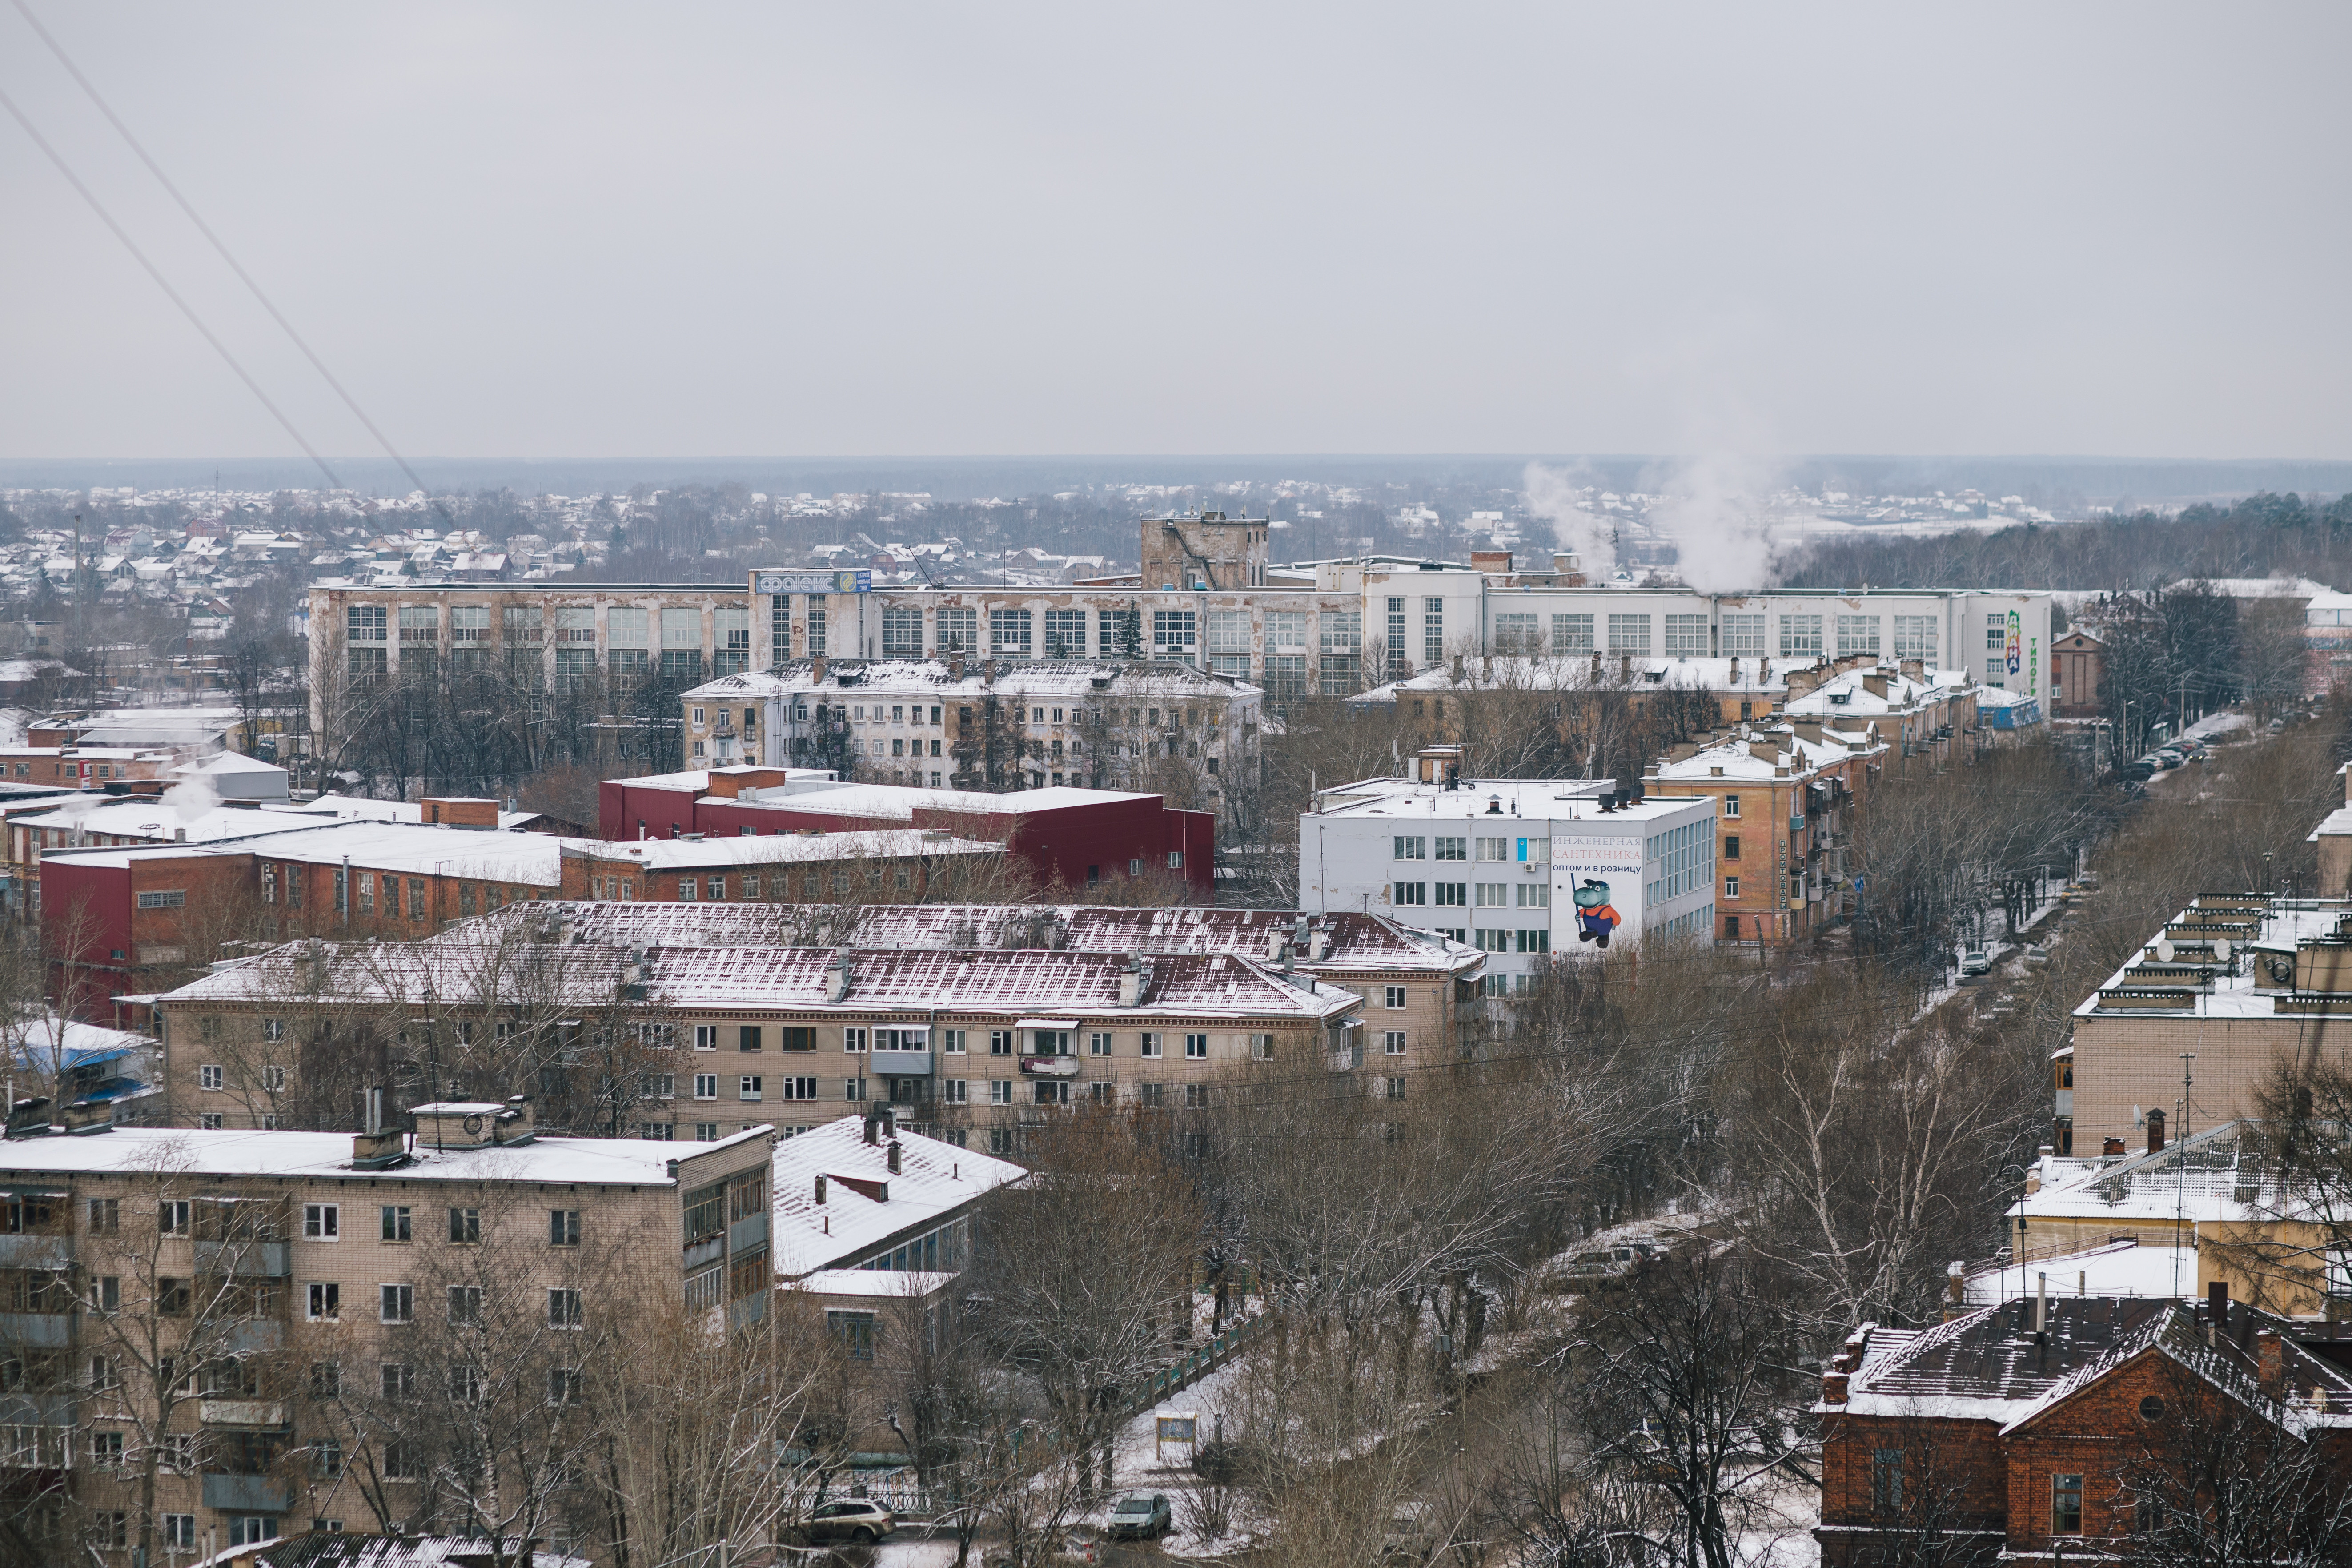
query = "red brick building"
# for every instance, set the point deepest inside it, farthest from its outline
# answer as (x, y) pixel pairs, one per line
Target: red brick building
(2078, 663)
(2041, 1429)
(128, 918)
(1072, 837)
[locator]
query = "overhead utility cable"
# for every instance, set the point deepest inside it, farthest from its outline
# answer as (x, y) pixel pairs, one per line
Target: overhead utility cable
(174, 294)
(207, 230)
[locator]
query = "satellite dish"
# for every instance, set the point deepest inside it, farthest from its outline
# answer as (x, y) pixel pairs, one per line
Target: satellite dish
(2164, 950)
(2222, 950)
(2140, 1117)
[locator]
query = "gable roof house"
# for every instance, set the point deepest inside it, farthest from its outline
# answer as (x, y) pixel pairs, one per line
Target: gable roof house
(2036, 1429)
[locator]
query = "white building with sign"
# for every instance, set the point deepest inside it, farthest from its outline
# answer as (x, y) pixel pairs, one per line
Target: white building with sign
(1521, 868)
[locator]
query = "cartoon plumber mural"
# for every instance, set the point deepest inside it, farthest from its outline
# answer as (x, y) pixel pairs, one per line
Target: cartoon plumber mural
(1595, 920)
(1597, 883)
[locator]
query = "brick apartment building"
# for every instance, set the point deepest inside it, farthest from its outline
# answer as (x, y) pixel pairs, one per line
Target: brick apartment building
(729, 1036)
(135, 915)
(1066, 836)
(2049, 1428)
(872, 1216)
(2240, 979)
(296, 1276)
(83, 767)
(1786, 796)
(2078, 667)
(1423, 1003)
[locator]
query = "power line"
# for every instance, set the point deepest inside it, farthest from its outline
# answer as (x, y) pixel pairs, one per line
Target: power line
(207, 230)
(185, 309)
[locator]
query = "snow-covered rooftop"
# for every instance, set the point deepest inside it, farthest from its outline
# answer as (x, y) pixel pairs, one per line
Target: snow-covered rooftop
(482, 953)
(1353, 941)
(595, 1162)
(1498, 802)
(934, 1181)
(2210, 990)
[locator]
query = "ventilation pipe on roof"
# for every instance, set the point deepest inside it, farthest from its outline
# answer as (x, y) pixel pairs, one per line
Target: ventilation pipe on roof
(820, 1189)
(1131, 983)
(894, 1156)
(837, 979)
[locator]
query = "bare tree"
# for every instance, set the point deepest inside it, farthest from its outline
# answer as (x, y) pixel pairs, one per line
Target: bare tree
(1684, 1387)
(180, 1304)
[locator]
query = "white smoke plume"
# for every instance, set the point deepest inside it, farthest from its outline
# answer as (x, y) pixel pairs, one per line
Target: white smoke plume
(1551, 495)
(1713, 511)
(192, 797)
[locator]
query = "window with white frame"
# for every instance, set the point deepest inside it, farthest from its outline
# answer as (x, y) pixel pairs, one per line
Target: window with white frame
(1630, 633)
(1857, 635)
(1801, 636)
(1516, 632)
(1743, 635)
(1914, 637)
(1571, 635)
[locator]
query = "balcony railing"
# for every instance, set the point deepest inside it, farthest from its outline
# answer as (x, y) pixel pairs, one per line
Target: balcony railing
(35, 1251)
(36, 1331)
(243, 1260)
(240, 1413)
(246, 1494)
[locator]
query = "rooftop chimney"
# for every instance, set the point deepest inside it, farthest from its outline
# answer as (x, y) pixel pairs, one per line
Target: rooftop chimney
(515, 1124)
(837, 979)
(1131, 983)
(820, 1189)
(375, 1148)
(2155, 1132)
(816, 669)
(894, 1156)
(955, 664)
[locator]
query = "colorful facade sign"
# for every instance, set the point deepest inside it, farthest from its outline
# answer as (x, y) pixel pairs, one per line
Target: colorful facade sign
(1596, 890)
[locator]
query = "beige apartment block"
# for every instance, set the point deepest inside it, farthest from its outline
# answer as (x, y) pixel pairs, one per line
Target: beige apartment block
(700, 1040)
(1423, 1004)
(274, 1321)
(2239, 983)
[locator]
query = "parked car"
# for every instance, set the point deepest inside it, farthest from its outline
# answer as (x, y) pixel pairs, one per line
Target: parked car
(1976, 961)
(1600, 1263)
(1410, 1538)
(856, 1520)
(1140, 1515)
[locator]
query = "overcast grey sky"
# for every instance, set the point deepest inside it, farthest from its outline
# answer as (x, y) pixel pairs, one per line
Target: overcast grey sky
(598, 231)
